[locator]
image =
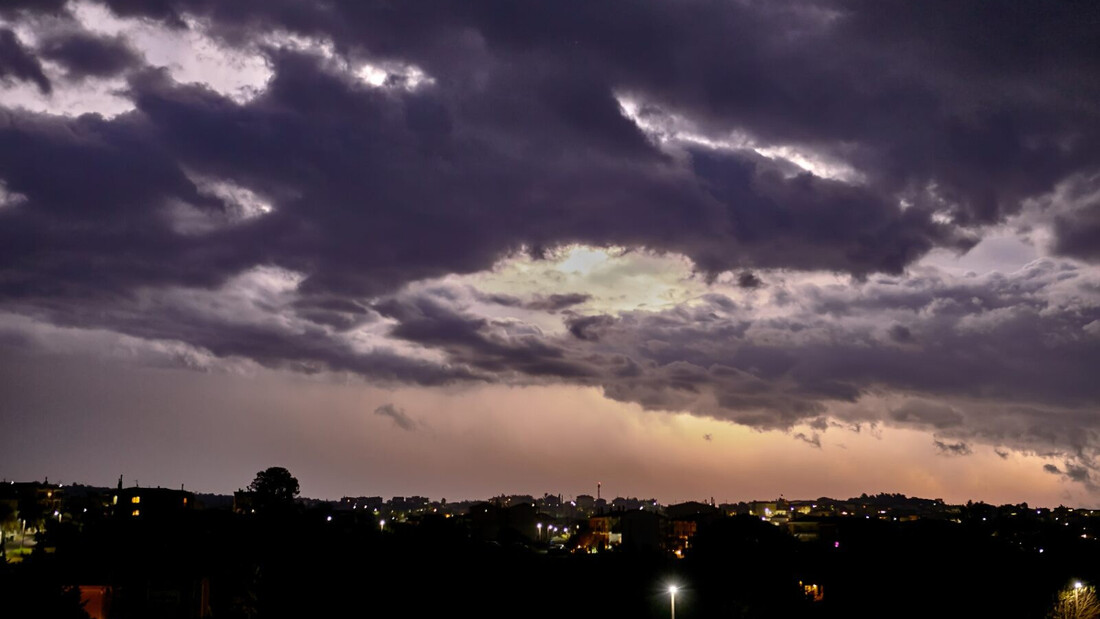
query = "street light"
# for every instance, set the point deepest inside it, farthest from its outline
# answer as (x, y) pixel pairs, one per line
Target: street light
(1076, 587)
(381, 525)
(672, 589)
(539, 526)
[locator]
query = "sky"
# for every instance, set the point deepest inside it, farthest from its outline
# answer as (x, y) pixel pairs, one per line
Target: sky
(687, 249)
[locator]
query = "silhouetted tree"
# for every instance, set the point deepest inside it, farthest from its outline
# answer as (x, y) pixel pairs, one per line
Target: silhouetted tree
(7, 521)
(7, 516)
(1076, 601)
(274, 489)
(31, 510)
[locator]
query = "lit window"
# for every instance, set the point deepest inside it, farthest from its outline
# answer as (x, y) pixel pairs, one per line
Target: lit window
(185, 500)
(135, 513)
(136, 500)
(114, 500)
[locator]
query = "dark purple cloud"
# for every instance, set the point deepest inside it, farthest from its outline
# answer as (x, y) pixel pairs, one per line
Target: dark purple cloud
(813, 440)
(18, 63)
(556, 302)
(373, 188)
(1077, 223)
(747, 279)
(1071, 472)
(948, 116)
(1002, 360)
(480, 343)
(399, 417)
(83, 54)
(953, 449)
(936, 415)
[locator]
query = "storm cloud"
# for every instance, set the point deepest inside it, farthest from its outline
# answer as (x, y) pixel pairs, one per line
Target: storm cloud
(522, 141)
(83, 54)
(17, 63)
(364, 149)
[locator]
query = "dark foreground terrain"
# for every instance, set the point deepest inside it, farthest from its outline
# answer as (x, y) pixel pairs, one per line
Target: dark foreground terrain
(313, 564)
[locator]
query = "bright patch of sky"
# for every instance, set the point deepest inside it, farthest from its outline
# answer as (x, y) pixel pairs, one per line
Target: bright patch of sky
(394, 75)
(68, 98)
(376, 73)
(242, 201)
(620, 280)
(190, 55)
(672, 130)
(1000, 250)
(91, 96)
(239, 205)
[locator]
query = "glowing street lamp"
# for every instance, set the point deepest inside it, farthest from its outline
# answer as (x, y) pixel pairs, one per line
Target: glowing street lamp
(672, 589)
(381, 525)
(539, 526)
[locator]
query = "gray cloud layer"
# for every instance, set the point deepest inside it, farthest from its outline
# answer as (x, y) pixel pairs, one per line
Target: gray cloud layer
(954, 115)
(18, 63)
(521, 142)
(1001, 359)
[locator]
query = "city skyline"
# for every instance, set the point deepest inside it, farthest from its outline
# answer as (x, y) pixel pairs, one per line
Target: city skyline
(458, 249)
(64, 495)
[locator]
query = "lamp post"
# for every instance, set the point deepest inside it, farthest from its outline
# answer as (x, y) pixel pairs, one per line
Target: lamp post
(539, 526)
(672, 596)
(1076, 589)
